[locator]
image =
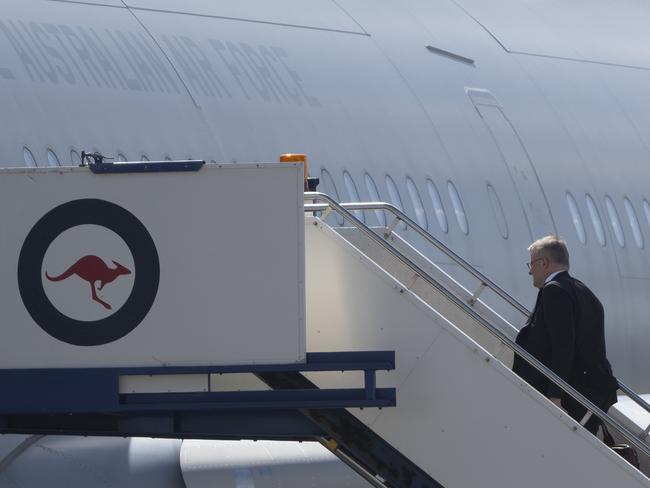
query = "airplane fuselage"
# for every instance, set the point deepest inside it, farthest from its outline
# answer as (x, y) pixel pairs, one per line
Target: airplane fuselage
(491, 124)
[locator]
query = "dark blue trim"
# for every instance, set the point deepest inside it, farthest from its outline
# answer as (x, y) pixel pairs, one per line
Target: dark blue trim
(268, 399)
(314, 361)
(223, 424)
(371, 385)
(54, 391)
(146, 166)
(88, 402)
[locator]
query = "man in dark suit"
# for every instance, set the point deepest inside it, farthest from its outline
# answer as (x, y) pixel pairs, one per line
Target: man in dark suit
(566, 333)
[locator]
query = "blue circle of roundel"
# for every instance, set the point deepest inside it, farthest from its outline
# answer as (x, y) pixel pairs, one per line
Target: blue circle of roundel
(145, 258)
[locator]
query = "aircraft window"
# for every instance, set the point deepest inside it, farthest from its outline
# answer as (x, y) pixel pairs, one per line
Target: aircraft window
(353, 194)
(595, 219)
(374, 195)
(634, 222)
(420, 216)
(330, 189)
(120, 157)
(438, 209)
(393, 194)
(75, 159)
(646, 209)
(52, 160)
(497, 210)
(29, 158)
(577, 219)
(144, 158)
(167, 158)
(613, 219)
(458, 207)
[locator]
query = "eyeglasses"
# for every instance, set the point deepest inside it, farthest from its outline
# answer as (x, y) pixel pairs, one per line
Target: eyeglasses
(530, 265)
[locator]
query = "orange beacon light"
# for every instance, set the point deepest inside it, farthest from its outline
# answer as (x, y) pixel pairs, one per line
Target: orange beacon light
(297, 158)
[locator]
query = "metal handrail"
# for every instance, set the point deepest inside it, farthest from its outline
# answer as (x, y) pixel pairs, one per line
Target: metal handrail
(485, 281)
(529, 358)
(441, 247)
(634, 396)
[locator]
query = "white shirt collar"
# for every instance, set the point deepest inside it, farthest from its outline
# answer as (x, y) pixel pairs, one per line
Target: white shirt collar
(551, 276)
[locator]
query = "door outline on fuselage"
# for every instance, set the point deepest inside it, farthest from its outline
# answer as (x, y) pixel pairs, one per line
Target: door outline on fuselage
(529, 190)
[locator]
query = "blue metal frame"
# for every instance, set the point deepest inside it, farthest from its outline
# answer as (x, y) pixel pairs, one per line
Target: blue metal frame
(222, 424)
(91, 390)
(146, 166)
(88, 402)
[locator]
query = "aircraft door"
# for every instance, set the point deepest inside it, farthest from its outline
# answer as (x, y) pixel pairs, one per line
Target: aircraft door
(520, 167)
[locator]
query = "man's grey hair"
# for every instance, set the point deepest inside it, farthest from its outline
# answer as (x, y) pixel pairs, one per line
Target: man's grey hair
(551, 247)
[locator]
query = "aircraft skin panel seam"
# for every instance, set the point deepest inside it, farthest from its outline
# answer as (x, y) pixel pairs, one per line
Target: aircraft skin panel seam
(81, 2)
(418, 101)
(164, 53)
(496, 39)
(253, 21)
(532, 165)
(335, 2)
(493, 137)
(576, 60)
(220, 17)
(549, 56)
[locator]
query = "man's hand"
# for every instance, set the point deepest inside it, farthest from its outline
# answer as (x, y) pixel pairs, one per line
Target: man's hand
(557, 402)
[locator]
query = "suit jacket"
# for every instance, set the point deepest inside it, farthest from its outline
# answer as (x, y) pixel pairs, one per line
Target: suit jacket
(566, 333)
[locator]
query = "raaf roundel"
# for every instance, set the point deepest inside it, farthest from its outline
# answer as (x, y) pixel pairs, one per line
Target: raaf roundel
(91, 268)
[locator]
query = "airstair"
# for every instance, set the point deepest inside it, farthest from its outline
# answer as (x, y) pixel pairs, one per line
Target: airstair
(463, 416)
(438, 405)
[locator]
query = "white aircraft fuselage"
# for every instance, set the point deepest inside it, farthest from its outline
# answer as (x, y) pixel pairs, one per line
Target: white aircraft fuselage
(491, 123)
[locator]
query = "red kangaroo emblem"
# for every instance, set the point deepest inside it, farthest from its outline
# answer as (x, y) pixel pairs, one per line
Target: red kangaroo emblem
(93, 269)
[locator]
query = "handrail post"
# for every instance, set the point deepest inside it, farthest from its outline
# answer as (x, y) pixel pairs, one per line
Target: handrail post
(645, 433)
(474, 298)
(326, 213)
(391, 227)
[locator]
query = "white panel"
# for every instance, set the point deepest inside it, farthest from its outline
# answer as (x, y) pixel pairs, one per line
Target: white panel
(236, 382)
(432, 297)
(231, 286)
(323, 14)
(607, 31)
(163, 383)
